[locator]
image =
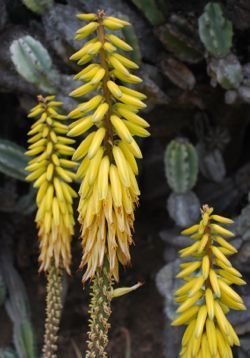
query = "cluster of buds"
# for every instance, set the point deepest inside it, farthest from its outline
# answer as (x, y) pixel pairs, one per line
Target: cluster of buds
(52, 173)
(109, 121)
(207, 296)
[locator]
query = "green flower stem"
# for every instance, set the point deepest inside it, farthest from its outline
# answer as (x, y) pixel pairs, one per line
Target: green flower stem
(53, 311)
(100, 311)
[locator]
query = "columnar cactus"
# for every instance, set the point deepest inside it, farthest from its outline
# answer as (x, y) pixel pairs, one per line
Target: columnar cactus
(181, 165)
(206, 296)
(33, 62)
(215, 31)
(109, 191)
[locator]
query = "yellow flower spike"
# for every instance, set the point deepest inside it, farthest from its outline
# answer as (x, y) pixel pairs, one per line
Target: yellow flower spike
(47, 172)
(54, 217)
(109, 191)
(207, 290)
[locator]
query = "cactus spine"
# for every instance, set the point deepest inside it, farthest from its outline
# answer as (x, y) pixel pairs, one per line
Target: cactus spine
(181, 165)
(215, 31)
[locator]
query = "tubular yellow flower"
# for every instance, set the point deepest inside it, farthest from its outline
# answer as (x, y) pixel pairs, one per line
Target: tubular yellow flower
(51, 173)
(109, 191)
(207, 296)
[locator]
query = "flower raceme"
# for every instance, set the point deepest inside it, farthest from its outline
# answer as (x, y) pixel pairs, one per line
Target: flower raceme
(109, 120)
(207, 296)
(52, 172)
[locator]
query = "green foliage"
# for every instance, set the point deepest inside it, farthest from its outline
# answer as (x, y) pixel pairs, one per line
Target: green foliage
(181, 165)
(38, 6)
(12, 159)
(33, 62)
(215, 31)
(25, 339)
(18, 309)
(151, 10)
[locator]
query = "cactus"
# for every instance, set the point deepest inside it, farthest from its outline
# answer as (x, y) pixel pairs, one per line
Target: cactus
(12, 159)
(183, 208)
(215, 31)
(33, 62)
(179, 36)
(181, 165)
(151, 10)
(38, 6)
(226, 71)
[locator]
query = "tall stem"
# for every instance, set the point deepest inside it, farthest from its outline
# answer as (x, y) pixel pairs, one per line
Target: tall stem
(53, 311)
(100, 311)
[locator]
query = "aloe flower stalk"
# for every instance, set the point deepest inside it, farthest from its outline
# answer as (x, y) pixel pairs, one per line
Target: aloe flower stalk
(51, 172)
(109, 191)
(207, 294)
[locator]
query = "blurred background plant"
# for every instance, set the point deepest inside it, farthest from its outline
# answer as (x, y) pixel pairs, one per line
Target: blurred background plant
(195, 63)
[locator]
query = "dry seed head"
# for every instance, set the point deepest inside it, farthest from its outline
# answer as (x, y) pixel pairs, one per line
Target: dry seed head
(109, 190)
(51, 173)
(207, 296)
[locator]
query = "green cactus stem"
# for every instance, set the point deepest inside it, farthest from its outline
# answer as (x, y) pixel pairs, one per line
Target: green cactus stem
(151, 10)
(33, 62)
(53, 312)
(181, 165)
(100, 311)
(215, 31)
(38, 6)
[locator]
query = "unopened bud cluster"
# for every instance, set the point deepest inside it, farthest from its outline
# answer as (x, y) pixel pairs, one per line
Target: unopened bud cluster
(109, 121)
(51, 172)
(207, 294)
